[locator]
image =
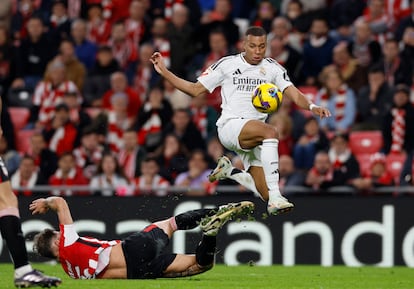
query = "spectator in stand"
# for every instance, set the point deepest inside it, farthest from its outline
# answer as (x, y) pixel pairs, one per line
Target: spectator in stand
(396, 69)
(289, 176)
(138, 23)
(297, 16)
(309, 144)
(75, 70)
(117, 121)
(343, 14)
(45, 159)
(26, 9)
(6, 58)
(32, 55)
(159, 39)
(124, 50)
(77, 115)
(163, 9)
(218, 48)
(264, 15)
(27, 176)
(219, 18)
(172, 157)
(283, 123)
(288, 107)
(354, 74)
(379, 21)
(215, 150)
(374, 100)
(59, 22)
(288, 57)
(131, 155)
(89, 153)
(398, 123)
(407, 172)
(145, 75)
(153, 116)
(5, 15)
(61, 134)
(176, 97)
(181, 37)
(196, 178)
(182, 126)
(49, 93)
(85, 50)
(98, 27)
(405, 22)
(321, 175)
(10, 157)
(68, 174)
(339, 99)
(282, 29)
(377, 176)
(110, 178)
(344, 163)
(317, 51)
(119, 84)
(204, 117)
(364, 47)
(407, 54)
(98, 79)
(149, 182)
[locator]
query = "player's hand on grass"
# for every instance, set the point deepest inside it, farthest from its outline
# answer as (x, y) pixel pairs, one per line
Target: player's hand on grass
(39, 206)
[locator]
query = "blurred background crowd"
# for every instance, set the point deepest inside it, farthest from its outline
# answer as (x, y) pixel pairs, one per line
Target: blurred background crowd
(82, 104)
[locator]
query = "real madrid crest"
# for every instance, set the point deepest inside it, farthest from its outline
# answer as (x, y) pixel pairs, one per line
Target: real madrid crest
(262, 71)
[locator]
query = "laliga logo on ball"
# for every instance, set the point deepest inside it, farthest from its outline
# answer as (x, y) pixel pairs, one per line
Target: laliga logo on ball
(267, 98)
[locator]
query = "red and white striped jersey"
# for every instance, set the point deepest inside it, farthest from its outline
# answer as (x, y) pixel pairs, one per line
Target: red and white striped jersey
(47, 97)
(83, 257)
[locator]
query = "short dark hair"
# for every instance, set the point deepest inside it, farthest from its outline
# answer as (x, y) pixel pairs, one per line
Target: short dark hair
(255, 31)
(42, 243)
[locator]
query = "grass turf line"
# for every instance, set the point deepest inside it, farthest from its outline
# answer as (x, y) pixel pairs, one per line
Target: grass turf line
(247, 277)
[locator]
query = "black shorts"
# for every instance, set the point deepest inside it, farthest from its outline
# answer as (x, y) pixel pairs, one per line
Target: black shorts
(4, 174)
(144, 253)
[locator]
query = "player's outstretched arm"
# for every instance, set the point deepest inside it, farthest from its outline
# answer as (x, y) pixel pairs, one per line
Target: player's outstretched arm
(57, 204)
(300, 99)
(191, 88)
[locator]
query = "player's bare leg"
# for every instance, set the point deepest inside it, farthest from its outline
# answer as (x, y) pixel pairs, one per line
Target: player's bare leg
(10, 227)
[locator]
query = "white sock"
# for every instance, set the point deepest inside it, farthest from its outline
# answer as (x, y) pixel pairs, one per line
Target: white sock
(19, 272)
(245, 179)
(270, 160)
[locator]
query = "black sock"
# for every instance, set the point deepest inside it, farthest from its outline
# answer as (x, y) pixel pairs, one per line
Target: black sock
(206, 250)
(11, 230)
(191, 219)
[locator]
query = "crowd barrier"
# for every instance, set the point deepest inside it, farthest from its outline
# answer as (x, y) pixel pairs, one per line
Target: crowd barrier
(328, 229)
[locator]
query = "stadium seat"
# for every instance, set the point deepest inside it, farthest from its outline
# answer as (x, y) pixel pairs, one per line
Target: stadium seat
(365, 142)
(19, 117)
(364, 161)
(23, 139)
(395, 163)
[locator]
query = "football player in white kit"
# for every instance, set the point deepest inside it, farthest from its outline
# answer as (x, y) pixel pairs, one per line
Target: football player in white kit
(241, 128)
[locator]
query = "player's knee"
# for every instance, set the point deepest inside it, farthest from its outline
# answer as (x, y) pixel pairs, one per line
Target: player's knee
(270, 132)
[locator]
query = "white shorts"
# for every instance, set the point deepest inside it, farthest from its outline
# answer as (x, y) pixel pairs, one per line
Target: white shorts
(229, 138)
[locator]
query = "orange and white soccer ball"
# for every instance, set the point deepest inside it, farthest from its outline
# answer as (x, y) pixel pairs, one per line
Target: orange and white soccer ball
(267, 98)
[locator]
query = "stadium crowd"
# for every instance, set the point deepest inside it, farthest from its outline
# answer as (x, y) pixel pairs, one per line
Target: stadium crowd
(84, 105)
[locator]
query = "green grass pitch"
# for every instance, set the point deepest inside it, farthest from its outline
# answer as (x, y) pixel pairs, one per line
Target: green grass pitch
(247, 277)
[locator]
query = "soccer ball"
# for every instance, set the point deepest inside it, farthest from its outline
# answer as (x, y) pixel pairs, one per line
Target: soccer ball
(267, 98)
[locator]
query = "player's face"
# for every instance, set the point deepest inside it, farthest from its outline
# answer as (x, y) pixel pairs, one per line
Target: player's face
(255, 48)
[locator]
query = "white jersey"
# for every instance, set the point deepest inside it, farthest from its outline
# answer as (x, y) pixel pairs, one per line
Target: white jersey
(238, 79)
